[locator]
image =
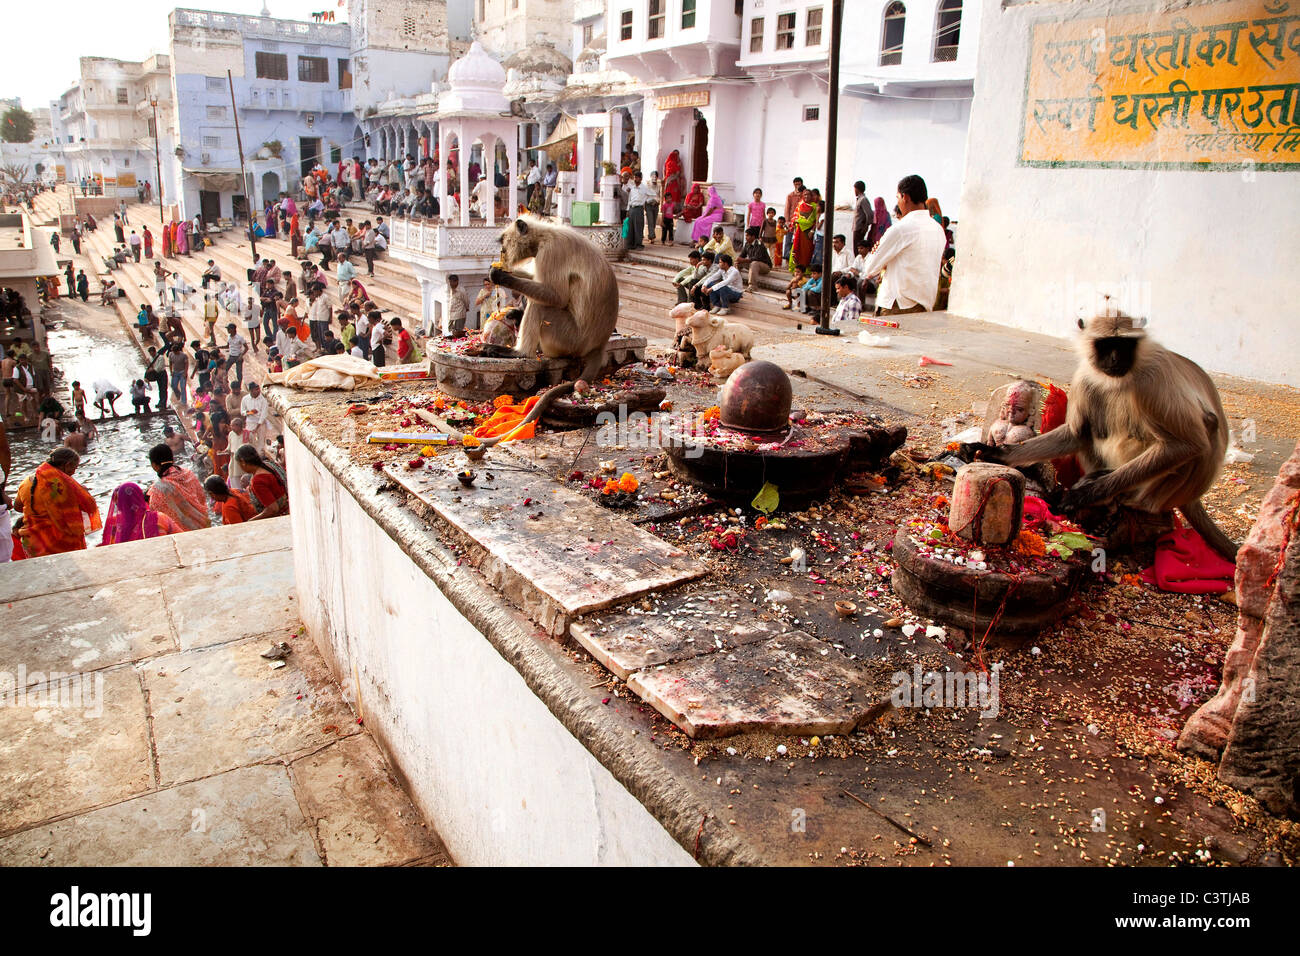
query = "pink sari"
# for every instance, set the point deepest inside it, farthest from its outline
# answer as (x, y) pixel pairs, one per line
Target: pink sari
(179, 496)
(130, 518)
(182, 239)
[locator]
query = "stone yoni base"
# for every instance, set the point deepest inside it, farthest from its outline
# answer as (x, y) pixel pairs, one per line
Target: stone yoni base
(478, 379)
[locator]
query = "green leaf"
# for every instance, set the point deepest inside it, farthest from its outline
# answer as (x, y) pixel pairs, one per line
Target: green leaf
(768, 499)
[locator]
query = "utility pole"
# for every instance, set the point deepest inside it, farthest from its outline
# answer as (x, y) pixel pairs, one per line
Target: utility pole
(243, 174)
(157, 159)
(832, 139)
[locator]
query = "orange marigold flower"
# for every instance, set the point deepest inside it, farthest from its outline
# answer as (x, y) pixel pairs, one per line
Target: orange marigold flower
(502, 400)
(1027, 542)
(469, 441)
(611, 486)
(711, 413)
(628, 482)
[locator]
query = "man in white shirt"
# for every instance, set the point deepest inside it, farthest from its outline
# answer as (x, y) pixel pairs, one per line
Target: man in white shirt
(457, 307)
(363, 333)
(318, 315)
(909, 254)
(534, 181)
(255, 410)
(726, 288)
(637, 196)
(484, 195)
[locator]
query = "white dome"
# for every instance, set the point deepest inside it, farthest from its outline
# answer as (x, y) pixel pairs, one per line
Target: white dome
(476, 82)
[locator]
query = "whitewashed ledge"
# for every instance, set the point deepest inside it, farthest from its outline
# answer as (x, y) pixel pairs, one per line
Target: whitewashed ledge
(493, 728)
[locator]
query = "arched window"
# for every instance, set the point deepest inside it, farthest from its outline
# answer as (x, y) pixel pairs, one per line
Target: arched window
(947, 31)
(891, 37)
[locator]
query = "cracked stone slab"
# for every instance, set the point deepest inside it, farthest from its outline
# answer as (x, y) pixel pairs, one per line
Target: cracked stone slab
(220, 601)
(247, 817)
(72, 745)
(217, 708)
(670, 628)
(80, 569)
(86, 629)
(220, 543)
(790, 685)
(362, 817)
(560, 555)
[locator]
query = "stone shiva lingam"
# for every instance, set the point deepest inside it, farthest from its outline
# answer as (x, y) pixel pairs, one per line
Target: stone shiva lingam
(979, 573)
(752, 439)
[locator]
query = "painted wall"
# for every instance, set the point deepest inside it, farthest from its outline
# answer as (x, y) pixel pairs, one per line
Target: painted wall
(398, 47)
(483, 758)
(1040, 243)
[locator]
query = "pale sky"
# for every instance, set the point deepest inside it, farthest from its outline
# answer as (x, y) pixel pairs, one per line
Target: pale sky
(47, 37)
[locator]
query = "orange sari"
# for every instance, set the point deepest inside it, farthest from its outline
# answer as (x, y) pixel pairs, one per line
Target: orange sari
(180, 497)
(52, 504)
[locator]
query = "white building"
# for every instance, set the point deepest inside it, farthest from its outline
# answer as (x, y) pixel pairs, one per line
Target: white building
(740, 90)
(508, 26)
(1071, 202)
(105, 124)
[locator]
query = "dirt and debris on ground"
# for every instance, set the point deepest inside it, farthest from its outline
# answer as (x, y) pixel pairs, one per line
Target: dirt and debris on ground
(1079, 765)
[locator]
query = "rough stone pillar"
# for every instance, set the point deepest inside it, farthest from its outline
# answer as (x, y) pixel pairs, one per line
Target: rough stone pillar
(988, 502)
(1263, 751)
(1208, 730)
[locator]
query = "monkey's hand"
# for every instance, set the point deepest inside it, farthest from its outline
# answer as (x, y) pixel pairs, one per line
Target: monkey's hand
(979, 451)
(499, 276)
(1089, 490)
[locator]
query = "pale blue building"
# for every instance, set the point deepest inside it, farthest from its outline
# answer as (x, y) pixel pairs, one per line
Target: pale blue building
(293, 90)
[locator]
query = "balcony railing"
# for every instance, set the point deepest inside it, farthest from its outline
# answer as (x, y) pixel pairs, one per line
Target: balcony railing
(438, 240)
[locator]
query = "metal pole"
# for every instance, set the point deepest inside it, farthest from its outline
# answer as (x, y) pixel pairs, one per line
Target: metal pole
(832, 137)
(243, 174)
(157, 158)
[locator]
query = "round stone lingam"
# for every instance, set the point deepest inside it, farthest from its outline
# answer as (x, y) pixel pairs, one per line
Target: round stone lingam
(967, 597)
(988, 503)
(476, 378)
(757, 398)
(803, 463)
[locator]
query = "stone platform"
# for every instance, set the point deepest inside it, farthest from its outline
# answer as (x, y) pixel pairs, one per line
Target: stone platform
(184, 747)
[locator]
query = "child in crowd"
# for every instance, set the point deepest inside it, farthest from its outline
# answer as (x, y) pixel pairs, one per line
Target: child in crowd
(768, 234)
(667, 212)
(793, 287)
(781, 231)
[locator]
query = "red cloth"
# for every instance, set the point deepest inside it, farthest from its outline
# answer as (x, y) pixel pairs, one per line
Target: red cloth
(1186, 564)
(1053, 414)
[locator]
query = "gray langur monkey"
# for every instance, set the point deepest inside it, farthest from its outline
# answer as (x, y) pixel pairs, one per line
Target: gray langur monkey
(1146, 424)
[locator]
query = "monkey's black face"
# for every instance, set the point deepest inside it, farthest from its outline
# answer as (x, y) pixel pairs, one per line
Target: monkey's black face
(1114, 356)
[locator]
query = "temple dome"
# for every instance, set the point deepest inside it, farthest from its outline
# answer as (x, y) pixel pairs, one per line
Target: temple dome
(476, 82)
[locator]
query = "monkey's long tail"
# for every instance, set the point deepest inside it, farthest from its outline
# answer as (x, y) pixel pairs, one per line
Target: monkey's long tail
(543, 403)
(1200, 519)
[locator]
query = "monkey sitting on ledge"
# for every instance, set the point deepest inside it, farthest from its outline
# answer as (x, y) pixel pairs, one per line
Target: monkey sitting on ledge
(1145, 423)
(572, 298)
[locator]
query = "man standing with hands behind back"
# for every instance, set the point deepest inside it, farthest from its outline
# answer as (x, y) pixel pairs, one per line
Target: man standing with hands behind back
(909, 255)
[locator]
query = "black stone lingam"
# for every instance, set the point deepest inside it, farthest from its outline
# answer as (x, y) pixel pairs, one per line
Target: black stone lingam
(756, 442)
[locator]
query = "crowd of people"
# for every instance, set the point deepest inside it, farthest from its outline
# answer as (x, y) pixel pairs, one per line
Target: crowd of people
(903, 259)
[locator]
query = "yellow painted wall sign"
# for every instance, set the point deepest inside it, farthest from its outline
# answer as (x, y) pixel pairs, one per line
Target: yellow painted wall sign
(1209, 86)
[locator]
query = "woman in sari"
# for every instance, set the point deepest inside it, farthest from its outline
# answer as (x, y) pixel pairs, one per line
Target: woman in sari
(356, 294)
(674, 180)
(165, 234)
(268, 488)
(932, 207)
(693, 204)
(805, 221)
(177, 493)
(269, 215)
(710, 217)
(882, 222)
(130, 518)
(182, 238)
(53, 506)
